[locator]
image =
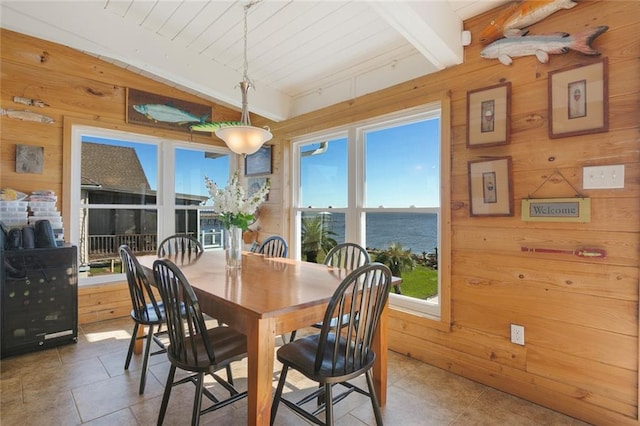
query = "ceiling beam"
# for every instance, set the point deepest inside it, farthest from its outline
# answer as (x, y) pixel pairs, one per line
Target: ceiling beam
(432, 27)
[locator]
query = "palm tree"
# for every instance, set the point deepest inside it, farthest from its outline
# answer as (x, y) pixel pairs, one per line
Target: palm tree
(316, 237)
(397, 259)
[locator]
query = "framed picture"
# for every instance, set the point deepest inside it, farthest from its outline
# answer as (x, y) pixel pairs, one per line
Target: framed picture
(490, 191)
(258, 163)
(488, 112)
(578, 100)
(29, 159)
(149, 109)
(254, 184)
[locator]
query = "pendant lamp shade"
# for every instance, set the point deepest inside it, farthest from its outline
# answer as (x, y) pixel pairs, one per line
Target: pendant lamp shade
(244, 140)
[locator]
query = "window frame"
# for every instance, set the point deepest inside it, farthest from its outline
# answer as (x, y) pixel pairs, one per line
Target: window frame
(355, 210)
(165, 193)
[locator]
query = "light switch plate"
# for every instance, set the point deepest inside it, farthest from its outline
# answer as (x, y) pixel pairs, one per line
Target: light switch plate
(603, 177)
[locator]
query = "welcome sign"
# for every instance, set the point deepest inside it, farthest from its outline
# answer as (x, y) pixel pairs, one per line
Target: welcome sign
(556, 210)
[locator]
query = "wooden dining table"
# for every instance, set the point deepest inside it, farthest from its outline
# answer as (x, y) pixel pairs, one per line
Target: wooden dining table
(265, 298)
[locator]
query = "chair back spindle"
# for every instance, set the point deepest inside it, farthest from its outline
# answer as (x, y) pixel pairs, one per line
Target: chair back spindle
(180, 244)
(274, 246)
(139, 286)
(347, 256)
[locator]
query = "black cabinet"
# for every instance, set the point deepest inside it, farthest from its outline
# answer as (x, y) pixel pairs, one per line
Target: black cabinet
(39, 291)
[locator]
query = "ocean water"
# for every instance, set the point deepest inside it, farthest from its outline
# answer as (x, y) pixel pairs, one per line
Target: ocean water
(415, 231)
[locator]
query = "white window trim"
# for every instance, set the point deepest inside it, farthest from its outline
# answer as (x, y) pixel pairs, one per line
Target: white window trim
(355, 197)
(165, 194)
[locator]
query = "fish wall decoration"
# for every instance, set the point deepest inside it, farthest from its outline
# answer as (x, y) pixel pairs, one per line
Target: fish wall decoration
(168, 114)
(519, 15)
(29, 101)
(26, 115)
(542, 45)
(215, 125)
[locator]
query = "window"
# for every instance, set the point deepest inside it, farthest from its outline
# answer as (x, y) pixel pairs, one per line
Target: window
(133, 189)
(376, 183)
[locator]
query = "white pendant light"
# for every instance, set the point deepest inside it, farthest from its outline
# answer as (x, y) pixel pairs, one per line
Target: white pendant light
(244, 139)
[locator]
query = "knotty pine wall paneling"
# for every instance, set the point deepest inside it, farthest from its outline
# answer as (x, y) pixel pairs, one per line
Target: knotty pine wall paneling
(580, 315)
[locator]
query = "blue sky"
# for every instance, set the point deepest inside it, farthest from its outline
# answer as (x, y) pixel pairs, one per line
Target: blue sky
(402, 168)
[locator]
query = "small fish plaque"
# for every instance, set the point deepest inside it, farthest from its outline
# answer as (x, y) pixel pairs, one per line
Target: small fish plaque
(163, 112)
(557, 210)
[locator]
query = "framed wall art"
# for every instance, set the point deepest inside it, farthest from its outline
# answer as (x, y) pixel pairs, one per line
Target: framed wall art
(159, 111)
(578, 100)
(258, 163)
(488, 111)
(29, 159)
(254, 184)
(490, 190)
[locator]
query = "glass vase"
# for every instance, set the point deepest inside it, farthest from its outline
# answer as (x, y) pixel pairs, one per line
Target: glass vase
(233, 247)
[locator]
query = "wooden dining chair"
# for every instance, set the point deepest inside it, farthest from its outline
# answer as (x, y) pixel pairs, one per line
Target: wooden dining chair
(347, 256)
(146, 312)
(192, 346)
(338, 354)
(179, 244)
(274, 246)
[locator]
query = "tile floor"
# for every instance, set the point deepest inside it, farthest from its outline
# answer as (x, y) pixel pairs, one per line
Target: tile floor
(85, 383)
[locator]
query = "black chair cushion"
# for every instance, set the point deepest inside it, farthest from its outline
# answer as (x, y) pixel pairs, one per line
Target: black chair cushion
(227, 345)
(150, 316)
(301, 355)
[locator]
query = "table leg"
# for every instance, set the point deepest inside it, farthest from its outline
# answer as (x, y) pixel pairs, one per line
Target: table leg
(380, 346)
(260, 348)
(137, 348)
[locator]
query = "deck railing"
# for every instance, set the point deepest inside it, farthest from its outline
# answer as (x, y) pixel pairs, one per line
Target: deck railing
(106, 246)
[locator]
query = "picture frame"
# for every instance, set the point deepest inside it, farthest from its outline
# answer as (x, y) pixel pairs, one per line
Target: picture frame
(163, 112)
(488, 116)
(29, 159)
(579, 100)
(490, 188)
(254, 184)
(258, 163)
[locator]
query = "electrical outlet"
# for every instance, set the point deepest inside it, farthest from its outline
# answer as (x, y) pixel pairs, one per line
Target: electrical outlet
(517, 334)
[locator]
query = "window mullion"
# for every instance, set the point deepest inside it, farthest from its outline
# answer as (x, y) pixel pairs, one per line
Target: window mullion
(166, 199)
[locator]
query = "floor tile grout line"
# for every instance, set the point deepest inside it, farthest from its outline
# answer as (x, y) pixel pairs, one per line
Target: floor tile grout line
(462, 413)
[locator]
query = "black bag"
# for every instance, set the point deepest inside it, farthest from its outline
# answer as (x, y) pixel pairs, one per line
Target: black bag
(3, 235)
(45, 238)
(28, 237)
(14, 239)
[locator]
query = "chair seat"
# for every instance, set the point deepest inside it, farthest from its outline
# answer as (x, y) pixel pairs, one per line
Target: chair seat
(228, 345)
(150, 316)
(301, 355)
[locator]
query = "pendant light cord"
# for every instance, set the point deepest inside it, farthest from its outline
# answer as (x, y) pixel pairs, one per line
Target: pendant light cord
(246, 84)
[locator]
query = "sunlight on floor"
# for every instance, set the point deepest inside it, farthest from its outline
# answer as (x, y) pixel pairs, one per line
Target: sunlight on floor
(116, 334)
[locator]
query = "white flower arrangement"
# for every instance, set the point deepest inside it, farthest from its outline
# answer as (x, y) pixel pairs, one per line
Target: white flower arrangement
(232, 204)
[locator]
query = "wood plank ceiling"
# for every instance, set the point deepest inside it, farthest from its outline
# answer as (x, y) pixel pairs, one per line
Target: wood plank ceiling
(302, 54)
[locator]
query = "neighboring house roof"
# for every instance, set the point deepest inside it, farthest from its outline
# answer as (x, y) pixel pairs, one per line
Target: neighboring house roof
(113, 168)
(118, 169)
